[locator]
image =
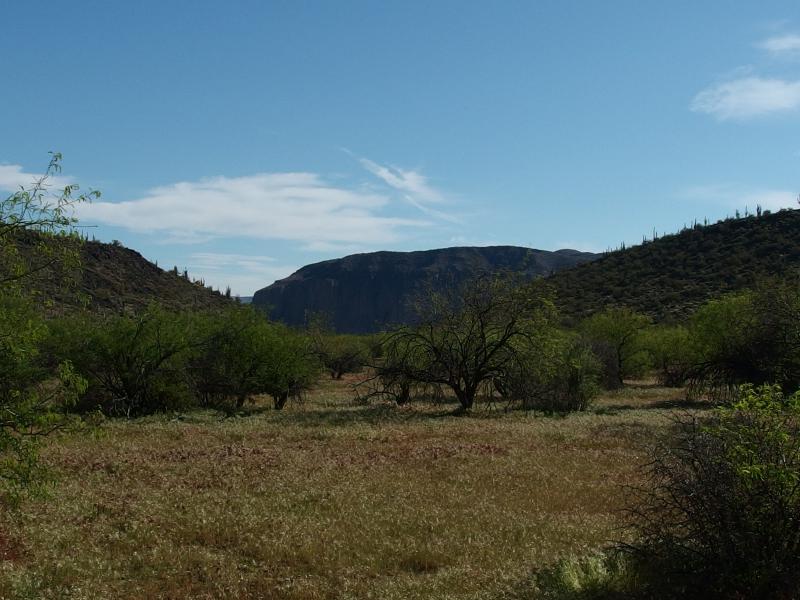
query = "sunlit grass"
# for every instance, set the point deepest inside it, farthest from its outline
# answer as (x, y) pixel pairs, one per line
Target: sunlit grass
(328, 499)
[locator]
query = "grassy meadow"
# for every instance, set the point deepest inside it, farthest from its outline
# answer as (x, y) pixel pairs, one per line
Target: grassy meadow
(329, 499)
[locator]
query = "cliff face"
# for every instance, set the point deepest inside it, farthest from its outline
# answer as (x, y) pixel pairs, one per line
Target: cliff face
(364, 292)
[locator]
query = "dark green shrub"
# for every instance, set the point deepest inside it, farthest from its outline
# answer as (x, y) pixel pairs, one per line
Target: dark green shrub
(616, 335)
(238, 354)
(134, 365)
(553, 372)
(671, 353)
(721, 515)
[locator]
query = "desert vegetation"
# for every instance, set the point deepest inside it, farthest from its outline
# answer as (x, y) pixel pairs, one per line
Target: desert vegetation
(495, 447)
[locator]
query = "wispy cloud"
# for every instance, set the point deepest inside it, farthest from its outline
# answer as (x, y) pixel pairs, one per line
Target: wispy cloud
(747, 98)
(734, 196)
(781, 46)
(299, 207)
(415, 188)
(413, 183)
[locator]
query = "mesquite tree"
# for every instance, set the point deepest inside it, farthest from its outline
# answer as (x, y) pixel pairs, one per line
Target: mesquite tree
(469, 335)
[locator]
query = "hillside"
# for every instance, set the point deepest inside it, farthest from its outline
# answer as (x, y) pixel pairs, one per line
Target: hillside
(669, 277)
(113, 278)
(364, 292)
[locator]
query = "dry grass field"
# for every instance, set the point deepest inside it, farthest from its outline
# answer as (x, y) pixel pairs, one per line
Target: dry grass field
(329, 499)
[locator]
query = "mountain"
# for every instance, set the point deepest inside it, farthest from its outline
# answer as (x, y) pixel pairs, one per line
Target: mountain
(112, 278)
(362, 293)
(670, 277)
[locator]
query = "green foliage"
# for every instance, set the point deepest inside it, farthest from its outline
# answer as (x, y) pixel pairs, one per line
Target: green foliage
(617, 337)
(134, 364)
(721, 516)
(593, 577)
(32, 397)
(554, 371)
(747, 337)
(163, 361)
(671, 353)
(338, 353)
(239, 354)
(671, 277)
(470, 337)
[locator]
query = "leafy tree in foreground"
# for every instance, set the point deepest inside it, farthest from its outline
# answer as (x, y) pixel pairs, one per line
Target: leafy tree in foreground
(721, 516)
(31, 396)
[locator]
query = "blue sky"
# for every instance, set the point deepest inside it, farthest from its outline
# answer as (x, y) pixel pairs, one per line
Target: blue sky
(243, 140)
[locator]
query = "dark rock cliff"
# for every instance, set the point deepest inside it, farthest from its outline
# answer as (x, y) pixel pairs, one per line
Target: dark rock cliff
(364, 292)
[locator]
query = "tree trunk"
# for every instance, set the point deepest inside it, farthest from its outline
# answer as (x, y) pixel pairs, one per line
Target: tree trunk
(466, 397)
(279, 401)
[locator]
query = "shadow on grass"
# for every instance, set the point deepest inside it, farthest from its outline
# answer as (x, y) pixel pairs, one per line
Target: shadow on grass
(365, 415)
(669, 404)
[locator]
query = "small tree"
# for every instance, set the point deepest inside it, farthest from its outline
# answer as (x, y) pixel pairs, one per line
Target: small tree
(467, 337)
(615, 336)
(240, 354)
(338, 353)
(671, 352)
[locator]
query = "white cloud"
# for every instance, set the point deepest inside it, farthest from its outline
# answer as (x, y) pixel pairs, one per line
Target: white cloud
(748, 97)
(12, 178)
(244, 273)
(782, 45)
(299, 207)
(416, 189)
(412, 183)
(738, 197)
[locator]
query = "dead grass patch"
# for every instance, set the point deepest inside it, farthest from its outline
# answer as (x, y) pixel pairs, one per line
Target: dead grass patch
(328, 499)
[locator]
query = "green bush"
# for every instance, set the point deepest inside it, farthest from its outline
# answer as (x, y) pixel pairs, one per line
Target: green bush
(748, 337)
(134, 365)
(553, 372)
(33, 394)
(237, 354)
(721, 515)
(671, 353)
(616, 336)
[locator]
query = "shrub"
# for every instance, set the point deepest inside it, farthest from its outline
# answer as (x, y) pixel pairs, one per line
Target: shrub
(237, 354)
(748, 337)
(616, 337)
(32, 396)
(671, 353)
(593, 577)
(554, 372)
(134, 365)
(721, 515)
